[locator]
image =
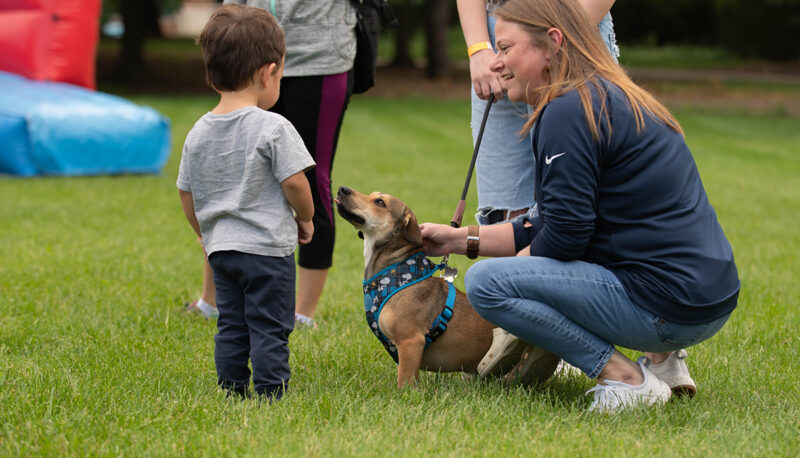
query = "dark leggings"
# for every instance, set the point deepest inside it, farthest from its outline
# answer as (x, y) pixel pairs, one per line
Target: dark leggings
(315, 105)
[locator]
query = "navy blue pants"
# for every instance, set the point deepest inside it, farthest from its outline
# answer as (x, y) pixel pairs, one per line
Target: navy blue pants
(255, 298)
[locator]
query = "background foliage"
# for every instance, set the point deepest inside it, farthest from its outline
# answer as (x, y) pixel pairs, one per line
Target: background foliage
(766, 29)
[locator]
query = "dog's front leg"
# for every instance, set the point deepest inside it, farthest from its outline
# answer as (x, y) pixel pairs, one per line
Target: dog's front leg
(409, 355)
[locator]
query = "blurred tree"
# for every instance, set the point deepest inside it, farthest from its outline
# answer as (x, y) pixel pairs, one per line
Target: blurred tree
(436, 25)
(658, 22)
(140, 20)
(407, 12)
(434, 16)
(767, 29)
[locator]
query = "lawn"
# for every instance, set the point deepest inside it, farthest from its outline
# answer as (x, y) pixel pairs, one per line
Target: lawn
(97, 357)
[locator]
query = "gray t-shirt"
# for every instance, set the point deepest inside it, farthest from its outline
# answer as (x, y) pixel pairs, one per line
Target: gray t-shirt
(320, 34)
(233, 164)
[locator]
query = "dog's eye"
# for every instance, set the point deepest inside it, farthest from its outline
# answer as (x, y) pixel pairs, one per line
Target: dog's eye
(380, 203)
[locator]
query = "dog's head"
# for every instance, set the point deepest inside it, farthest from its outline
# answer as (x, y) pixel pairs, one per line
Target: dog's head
(380, 217)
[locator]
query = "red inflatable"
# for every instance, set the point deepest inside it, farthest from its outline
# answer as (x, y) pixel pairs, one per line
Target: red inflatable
(50, 40)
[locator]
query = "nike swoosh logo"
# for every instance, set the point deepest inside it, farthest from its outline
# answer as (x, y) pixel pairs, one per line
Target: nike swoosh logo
(548, 159)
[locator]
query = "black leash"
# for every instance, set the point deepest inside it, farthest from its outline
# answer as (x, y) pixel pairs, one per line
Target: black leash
(459, 214)
(450, 273)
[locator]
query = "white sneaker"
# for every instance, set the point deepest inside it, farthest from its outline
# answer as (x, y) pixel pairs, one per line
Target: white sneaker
(674, 372)
(505, 351)
(615, 396)
(203, 308)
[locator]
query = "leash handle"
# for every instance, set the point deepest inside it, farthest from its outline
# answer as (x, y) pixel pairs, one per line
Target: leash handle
(459, 214)
(462, 204)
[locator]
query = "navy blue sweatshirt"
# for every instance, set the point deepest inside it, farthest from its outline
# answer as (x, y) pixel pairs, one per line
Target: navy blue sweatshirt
(633, 203)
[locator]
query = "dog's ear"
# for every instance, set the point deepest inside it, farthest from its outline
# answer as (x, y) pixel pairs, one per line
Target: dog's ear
(412, 232)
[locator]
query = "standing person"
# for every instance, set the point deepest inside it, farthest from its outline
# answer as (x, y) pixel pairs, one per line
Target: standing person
(243, 189)
(316, 88)
(505, 168)
(625, 248)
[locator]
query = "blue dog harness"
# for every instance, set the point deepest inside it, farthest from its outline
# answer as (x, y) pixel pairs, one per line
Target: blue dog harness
(384, 284)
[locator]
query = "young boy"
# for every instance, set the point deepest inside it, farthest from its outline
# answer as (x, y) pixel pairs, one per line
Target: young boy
(241, 175)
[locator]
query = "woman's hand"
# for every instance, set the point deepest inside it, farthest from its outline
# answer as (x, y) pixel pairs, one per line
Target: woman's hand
(437, 238)
(484, 81)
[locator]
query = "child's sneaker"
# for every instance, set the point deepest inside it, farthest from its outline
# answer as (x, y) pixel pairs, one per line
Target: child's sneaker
(302, 321)
(674, 372)
(504, 352)
(615, 396)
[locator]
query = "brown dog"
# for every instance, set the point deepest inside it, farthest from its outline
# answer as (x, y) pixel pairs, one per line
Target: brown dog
(391, 235)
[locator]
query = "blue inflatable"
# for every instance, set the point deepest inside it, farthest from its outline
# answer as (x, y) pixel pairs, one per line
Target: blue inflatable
(60, 129)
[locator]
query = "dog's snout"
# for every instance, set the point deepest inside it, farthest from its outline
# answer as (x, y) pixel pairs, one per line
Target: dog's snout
(344, 190)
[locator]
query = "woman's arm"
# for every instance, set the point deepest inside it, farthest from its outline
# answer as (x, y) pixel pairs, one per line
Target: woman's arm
(597, 9)
(474, 26)
(440, 239)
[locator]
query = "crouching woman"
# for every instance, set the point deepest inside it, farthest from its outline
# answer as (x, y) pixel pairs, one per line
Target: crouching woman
(625, 249)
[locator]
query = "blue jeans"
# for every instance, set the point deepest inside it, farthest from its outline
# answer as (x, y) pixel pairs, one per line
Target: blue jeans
(504, 168)
(606, 27)
(576, 310)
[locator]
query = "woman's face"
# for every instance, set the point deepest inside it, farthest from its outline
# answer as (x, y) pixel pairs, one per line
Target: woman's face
(518, 61)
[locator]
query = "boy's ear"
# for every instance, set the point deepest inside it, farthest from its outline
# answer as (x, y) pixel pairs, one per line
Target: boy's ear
(266, 71)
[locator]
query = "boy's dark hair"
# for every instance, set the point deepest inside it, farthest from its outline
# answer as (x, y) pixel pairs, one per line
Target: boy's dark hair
(237, 41)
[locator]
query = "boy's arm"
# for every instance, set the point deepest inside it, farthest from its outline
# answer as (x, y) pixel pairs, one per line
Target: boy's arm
(188, 209)
(298, 193)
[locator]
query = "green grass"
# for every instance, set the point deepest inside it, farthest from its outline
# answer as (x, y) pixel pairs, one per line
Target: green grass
(96, 357)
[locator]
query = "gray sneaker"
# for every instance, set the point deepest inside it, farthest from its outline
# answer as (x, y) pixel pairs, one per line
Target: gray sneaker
(674, 372)
(535, 366)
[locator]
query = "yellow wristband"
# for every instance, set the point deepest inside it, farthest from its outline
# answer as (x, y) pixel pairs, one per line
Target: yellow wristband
(479, 46)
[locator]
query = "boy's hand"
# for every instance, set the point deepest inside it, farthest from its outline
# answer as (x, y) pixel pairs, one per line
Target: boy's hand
(305, 230)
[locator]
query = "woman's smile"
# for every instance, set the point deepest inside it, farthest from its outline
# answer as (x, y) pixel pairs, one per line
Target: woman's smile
(519, 62)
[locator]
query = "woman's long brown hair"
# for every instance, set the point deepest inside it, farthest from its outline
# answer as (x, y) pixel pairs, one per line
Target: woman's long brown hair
(580, 60)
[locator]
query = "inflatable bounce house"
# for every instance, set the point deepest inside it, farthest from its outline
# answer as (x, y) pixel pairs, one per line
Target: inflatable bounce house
(52, 121)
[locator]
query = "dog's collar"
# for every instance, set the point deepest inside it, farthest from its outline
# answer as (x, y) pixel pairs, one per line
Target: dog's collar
(384, 284)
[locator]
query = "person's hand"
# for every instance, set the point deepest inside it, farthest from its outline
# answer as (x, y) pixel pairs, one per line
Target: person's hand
(435, 238)
(484, 81)
(305, 230)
